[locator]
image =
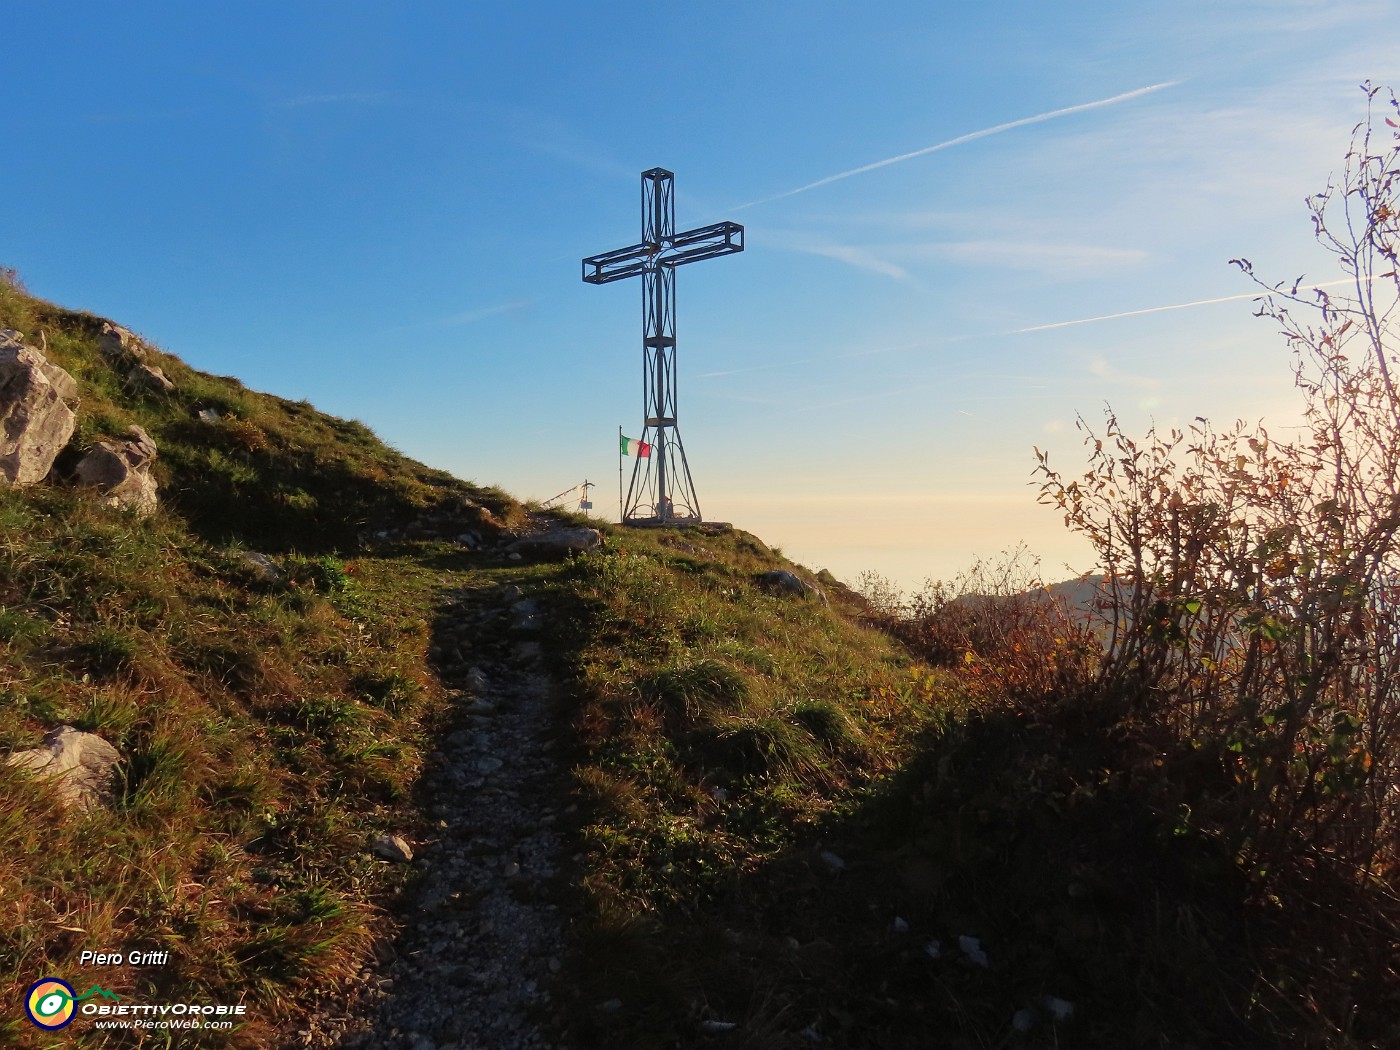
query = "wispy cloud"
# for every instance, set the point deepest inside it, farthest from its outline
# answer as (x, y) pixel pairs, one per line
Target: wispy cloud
(943, 341)
(331, 99)
(861, 258)
(961, 139)
(466, 317)
(1076, 259)
(1101, 369)
(470, 316)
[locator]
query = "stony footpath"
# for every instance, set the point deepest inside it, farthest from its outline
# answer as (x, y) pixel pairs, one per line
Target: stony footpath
(482, 936)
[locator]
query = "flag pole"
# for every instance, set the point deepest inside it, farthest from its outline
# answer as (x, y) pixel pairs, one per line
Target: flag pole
(619, 473)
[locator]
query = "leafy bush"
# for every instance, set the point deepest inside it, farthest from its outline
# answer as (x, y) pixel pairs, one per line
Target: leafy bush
(1254, 585)
(998, 623)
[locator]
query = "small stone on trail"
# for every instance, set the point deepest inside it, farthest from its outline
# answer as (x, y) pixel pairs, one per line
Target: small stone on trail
(392, 847)
(900, 926)
(832, 861)
(717, 1027)
(1057, 1008)
(972, 948)
(934, 950)
(1023, 1020)
(514, 556)
(489, 764)
(261, 566)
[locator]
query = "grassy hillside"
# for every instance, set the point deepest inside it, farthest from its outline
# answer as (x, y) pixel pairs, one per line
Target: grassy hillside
(798, 820)
(267, 728)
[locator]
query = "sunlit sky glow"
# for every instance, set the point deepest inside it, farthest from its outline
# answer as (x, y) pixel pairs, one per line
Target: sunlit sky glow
(964, 226)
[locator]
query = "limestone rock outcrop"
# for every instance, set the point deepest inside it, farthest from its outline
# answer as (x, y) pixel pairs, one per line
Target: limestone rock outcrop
(80, 765)
(37, 399)
(557, 543)
(122, 470)
(119, 344)
(780, 581)
(148, 377)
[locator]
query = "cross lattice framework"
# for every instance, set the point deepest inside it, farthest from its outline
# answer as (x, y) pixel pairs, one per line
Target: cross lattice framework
(665, 494)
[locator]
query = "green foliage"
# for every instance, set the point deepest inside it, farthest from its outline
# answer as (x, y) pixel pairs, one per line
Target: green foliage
(697, 765)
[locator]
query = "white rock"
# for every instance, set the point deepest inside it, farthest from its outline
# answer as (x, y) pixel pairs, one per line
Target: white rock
(934, 950)
(1023, 1020)
(261, 566)
(149, 377)
(712, 1027)
(392, 847)
(79, 763)
(900, 926)
(780, 581)
(832, 861)
(1057, 1008)
(117, 343)
(122, 471)
(972, 948)
(557, 543)
(37, 399)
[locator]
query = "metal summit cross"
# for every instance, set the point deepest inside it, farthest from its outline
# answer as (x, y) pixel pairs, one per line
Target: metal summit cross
(668, 496)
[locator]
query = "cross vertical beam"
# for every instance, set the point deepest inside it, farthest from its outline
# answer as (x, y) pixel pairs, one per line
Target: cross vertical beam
(665, 494)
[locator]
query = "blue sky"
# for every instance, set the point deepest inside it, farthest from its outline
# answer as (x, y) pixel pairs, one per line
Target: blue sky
(381, 208)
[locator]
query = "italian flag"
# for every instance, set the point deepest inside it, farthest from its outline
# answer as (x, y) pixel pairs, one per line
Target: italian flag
(633, 447)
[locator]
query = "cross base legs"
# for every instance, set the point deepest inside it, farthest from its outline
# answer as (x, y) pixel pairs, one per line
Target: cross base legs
(661, 492)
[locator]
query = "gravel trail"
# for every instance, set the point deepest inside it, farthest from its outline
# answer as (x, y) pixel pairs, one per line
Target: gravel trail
(482, 935)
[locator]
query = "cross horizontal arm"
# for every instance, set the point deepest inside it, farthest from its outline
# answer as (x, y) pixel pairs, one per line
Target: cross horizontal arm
(614, 266)
(704, 242)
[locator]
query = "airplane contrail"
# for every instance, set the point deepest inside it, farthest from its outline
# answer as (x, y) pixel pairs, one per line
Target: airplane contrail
(970, 137)
(1174, 306)
(945, 340)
